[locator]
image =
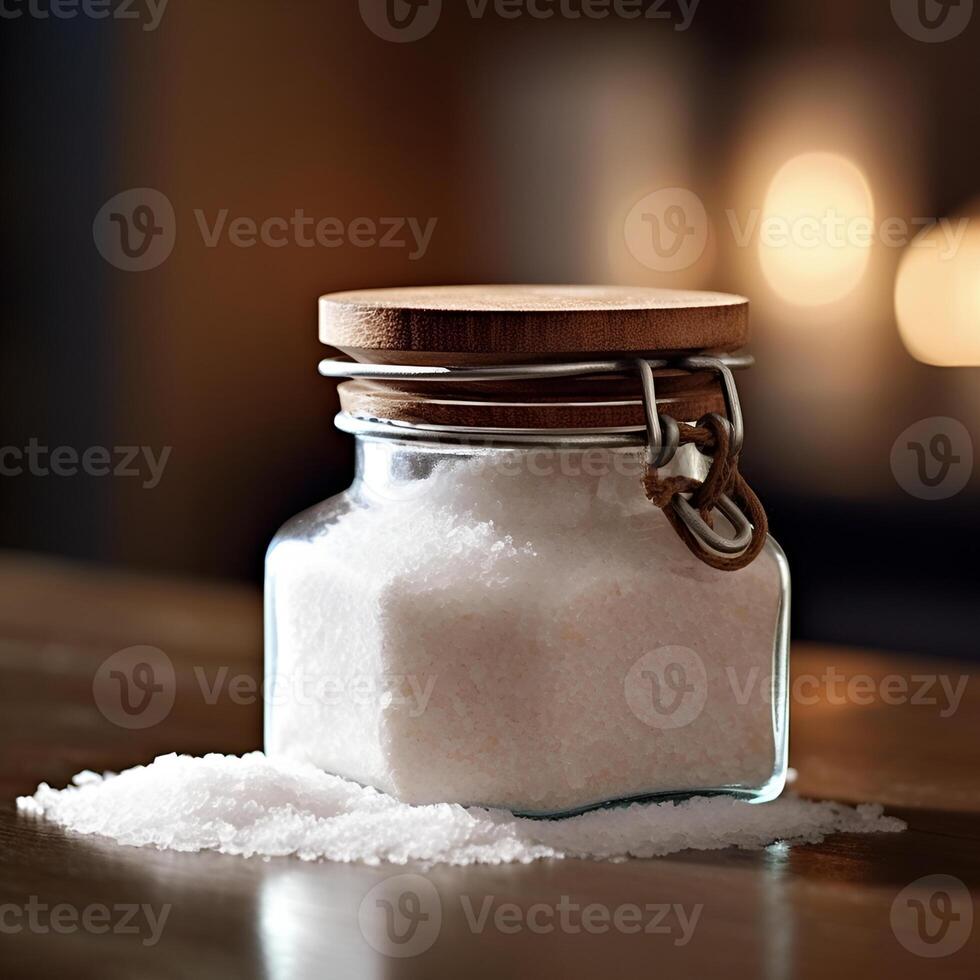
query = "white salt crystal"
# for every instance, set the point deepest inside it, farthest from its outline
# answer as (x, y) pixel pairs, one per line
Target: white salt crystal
(253, 805)
(86, 776)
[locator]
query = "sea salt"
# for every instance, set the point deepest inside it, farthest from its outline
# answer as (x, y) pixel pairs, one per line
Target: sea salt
(478, 635)
(256, 806)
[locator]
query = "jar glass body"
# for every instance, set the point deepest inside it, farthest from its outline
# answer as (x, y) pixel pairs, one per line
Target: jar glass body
(519, 627)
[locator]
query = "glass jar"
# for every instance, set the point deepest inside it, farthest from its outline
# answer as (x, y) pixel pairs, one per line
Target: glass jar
(504, 619)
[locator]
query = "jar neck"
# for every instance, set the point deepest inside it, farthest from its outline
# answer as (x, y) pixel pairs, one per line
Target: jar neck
(387, 467)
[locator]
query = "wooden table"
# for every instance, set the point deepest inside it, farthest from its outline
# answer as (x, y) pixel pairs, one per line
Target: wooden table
(802, 911)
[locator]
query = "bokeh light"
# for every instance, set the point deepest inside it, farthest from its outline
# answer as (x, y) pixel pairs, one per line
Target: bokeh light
(937, 295)
(816, 229)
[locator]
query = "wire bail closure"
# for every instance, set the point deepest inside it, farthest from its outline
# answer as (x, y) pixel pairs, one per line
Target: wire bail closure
(688, 504)
(663, 441)
(661, 450)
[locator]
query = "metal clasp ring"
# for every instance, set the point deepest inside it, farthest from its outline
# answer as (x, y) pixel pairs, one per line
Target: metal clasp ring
(700, 528)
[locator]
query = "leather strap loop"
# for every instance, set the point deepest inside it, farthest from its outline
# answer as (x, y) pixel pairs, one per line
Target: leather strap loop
(711, 435)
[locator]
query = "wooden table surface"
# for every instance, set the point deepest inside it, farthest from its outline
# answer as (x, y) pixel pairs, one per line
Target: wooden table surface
(837, 909)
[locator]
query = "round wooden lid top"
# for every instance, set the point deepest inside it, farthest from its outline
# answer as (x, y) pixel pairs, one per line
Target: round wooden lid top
(459, 324)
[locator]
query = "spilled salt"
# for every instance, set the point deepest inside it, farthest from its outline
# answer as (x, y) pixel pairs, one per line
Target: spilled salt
(255, 805)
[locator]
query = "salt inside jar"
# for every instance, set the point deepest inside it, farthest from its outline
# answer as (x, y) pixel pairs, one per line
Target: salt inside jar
(521, 601)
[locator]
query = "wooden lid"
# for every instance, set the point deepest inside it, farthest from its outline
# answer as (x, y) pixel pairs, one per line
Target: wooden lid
(455, 325)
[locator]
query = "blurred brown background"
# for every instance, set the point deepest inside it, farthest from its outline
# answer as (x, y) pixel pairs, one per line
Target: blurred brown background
(529, 140)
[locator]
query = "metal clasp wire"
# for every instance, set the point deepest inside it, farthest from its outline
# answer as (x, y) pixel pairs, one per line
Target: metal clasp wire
(660, 450)
(663, 440)
(733, 407)
(700, 528)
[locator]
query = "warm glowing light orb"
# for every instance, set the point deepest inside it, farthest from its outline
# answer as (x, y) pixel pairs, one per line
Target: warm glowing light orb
(937, 294)
(816, 229)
